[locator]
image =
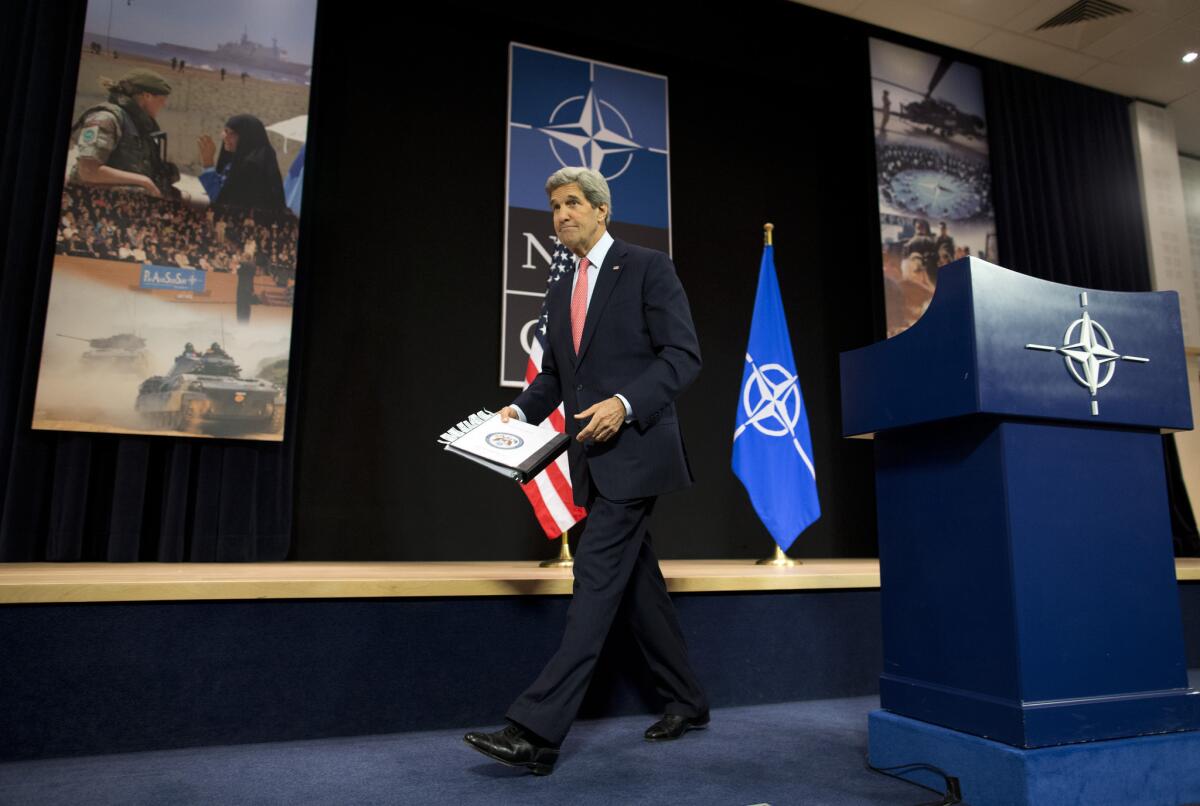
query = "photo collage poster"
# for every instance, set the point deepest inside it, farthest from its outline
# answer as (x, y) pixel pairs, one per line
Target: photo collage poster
(933, 174)
(170, 308)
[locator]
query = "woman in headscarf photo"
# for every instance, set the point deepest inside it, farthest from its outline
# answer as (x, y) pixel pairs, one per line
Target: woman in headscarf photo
(246, 173)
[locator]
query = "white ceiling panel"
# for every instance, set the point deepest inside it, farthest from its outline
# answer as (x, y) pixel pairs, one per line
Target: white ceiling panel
(1134, 82)
(1136, 29)
(1168, 8)
(1164, 51)
(1029, 19)
(988, 12)
(927, 23)
(1016, 49)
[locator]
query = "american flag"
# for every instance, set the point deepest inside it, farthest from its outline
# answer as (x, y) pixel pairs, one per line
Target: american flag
(550, 491)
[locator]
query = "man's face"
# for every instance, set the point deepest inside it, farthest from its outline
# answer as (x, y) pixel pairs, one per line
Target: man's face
(576, 222)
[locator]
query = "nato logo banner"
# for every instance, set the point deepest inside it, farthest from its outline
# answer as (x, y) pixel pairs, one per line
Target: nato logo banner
(565, 111)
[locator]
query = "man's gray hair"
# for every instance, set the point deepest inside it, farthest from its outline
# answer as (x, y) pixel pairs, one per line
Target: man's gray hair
(592, 183)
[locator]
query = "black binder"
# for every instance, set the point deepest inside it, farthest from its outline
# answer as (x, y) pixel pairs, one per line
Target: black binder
(456, 441)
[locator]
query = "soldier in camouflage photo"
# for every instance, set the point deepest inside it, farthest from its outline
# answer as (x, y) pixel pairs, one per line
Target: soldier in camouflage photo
(119, 142)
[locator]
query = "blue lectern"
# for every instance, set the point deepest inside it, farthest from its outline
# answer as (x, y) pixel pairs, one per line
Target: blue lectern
(1032, 636)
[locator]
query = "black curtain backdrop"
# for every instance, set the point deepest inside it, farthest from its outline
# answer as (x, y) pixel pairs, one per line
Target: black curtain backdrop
(770, 122)
(1068, 207)
(66, 496)
(398, 313)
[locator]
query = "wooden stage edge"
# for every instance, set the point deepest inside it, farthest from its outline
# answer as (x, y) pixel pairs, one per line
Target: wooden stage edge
(47, 583)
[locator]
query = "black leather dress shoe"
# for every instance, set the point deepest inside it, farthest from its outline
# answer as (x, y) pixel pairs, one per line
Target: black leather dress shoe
(516, 748)
(672, 726)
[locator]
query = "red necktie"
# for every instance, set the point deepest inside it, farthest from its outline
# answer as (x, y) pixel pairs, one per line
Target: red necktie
(579, 303)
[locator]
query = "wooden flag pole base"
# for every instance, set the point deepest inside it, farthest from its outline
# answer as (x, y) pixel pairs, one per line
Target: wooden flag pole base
(780, 559)
(563, 560)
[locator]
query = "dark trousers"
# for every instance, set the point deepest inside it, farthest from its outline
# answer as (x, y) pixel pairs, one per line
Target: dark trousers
(613, 564)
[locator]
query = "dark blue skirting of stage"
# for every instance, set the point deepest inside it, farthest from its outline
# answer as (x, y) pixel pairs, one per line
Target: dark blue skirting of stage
(106, 678)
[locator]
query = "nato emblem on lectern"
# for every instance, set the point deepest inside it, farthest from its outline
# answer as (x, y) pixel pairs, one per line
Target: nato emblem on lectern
(771, 400)
(1088, 353)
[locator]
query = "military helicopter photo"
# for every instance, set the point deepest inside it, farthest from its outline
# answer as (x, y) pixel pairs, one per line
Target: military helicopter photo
(936, 115)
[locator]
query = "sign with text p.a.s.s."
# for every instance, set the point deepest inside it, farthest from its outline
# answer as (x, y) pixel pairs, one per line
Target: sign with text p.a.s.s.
(171, 278)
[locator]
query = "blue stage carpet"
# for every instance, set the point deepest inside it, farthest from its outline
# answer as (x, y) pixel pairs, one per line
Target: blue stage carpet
(787, 754)
(783, 755)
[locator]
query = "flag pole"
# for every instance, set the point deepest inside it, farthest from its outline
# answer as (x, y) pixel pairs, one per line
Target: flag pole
(780, 560)
(563, 560)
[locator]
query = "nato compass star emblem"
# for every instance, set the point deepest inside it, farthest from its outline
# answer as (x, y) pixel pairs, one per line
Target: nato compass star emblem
(1088, 353)
(594, 132)
(771, 400)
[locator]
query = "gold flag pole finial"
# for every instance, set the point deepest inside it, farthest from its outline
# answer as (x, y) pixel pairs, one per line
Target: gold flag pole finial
(768, 229)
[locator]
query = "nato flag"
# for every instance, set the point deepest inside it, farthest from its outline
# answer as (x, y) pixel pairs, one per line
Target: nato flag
(772, 449)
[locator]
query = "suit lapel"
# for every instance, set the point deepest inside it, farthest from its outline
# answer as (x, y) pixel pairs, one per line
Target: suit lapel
(605, 283)
(560, 308)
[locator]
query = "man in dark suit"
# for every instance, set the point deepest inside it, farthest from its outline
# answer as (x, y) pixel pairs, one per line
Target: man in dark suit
(622, 347)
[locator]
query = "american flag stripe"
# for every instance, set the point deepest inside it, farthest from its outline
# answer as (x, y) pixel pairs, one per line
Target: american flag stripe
(560, 477)
(560, 507)
(550, 492)
(550, 495)
(535, 363)
(540, 508)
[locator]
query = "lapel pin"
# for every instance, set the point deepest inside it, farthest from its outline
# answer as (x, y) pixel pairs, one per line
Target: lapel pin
(616, 267)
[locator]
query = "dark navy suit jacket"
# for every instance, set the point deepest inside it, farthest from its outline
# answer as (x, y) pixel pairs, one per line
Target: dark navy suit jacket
(639, 340)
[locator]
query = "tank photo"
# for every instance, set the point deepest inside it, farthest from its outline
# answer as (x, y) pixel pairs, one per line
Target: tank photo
(123, 352)
(205, 391)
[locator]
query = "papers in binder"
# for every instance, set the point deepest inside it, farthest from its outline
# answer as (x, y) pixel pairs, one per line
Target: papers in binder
(514, 449)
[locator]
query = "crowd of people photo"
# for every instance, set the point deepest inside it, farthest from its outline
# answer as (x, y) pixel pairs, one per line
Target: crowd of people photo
(138, 228)
(963, 192)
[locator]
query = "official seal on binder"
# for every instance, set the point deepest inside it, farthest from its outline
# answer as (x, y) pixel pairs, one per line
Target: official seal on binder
(520, 451)
(503, 441)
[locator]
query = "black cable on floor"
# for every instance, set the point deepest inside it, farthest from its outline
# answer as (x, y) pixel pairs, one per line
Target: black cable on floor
(952, 795)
